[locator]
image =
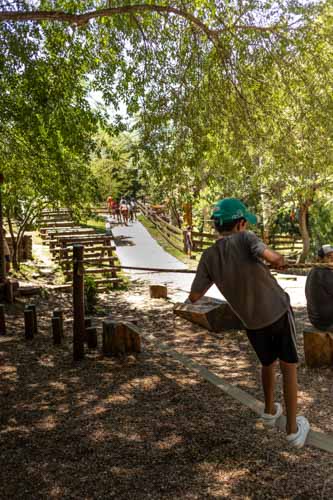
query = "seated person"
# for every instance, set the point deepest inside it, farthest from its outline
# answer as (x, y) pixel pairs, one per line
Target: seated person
(319, 291)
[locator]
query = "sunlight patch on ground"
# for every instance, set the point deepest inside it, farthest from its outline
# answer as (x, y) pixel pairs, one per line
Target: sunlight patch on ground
(9, 373)
(169, 442)
(47, 424)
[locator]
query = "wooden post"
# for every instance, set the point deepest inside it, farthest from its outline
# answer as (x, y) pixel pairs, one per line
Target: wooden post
(87, 324)
(56, 330)
(2, 237)
(2, 320)
(58, 313)
(9, 292)
(110, 254)
(65, 257)
(32, 307)
(29, 324)
(91, 332)
(78, 303)
(114, 338)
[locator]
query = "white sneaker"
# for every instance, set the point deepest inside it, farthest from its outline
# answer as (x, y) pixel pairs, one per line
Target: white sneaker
(298, 438)
(270, 420)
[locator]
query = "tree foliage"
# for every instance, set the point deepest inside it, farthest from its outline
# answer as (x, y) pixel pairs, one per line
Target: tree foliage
(114, 167)
(230, 98)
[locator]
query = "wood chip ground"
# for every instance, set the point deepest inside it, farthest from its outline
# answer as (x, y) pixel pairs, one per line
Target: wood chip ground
(145, 427)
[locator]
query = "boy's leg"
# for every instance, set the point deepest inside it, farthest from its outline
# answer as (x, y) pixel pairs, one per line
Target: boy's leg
(289, 374)
(268, 384)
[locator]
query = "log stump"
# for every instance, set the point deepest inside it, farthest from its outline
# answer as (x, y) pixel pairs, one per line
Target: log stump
(214, 315)
(32, 307)
(114, 338)
(57, 328)
(158, 291)
(9, 292)
(2, 320)
(318, 347)
(29, 324)
(87, 324)
(58, 313)
(120, 338)
(91, 332)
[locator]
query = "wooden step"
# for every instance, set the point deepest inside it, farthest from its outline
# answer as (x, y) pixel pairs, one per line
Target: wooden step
(89, 260)
(56, 234)
(96, 270)
(87, 249)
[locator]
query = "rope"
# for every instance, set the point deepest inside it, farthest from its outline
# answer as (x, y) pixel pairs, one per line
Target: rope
(193, 271)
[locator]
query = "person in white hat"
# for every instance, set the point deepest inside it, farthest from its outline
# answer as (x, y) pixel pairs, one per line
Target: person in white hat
(319, 291)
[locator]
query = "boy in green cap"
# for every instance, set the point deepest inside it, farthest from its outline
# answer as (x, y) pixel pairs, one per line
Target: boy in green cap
(234, 264)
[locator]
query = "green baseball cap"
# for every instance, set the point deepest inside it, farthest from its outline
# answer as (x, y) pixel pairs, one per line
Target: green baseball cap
(229, 209)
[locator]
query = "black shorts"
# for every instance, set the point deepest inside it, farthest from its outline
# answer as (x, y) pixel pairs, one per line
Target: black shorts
(276, 341)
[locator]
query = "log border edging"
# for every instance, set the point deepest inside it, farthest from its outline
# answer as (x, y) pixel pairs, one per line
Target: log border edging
(315, 438)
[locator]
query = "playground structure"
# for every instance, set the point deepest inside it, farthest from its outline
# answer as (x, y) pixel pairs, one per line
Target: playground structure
(59, 231)
(122, 337)
(77, 248)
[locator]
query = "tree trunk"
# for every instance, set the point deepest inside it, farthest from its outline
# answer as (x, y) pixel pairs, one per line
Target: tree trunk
(188, 214)
(2, 249)
(15, 260)
(174, 215)
(304, 230)
(266, 214)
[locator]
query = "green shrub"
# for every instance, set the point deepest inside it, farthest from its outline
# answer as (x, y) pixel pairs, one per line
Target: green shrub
(90, 295)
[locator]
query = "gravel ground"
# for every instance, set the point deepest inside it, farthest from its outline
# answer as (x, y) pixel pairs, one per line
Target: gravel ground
(145, 427)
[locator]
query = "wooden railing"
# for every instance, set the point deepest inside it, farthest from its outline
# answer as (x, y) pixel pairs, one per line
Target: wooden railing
(284, 243)
(172, 234)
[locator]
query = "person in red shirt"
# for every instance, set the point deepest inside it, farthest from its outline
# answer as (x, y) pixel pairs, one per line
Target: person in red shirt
(109, 203)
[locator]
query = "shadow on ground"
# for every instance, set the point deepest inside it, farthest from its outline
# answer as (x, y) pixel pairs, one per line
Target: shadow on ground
(136, 428)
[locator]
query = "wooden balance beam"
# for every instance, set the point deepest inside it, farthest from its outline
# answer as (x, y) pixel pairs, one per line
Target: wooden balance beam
(214, 315)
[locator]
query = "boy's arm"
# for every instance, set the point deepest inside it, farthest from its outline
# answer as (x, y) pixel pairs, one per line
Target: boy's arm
(260, 250)
(194, 296)
(201, 283)
(274, 258)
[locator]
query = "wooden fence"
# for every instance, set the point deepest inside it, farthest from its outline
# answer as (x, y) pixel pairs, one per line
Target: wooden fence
(99, 249)
(284, 243)
(172, 234)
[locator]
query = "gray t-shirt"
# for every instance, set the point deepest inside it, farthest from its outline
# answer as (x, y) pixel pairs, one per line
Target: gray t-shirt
(233, 264)
(319, 296)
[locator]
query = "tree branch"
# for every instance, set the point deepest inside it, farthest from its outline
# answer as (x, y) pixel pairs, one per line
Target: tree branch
(83, 19)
